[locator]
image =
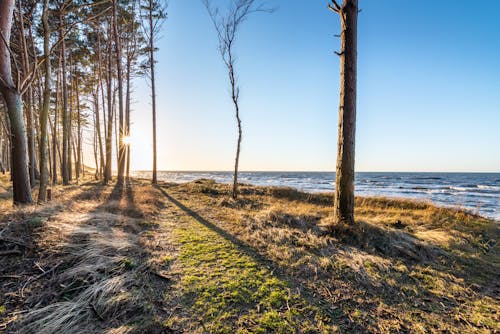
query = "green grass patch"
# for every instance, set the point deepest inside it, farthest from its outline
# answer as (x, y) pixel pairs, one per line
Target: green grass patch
(228, 291)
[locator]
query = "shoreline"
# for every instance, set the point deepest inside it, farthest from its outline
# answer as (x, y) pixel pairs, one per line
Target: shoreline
(418, 199)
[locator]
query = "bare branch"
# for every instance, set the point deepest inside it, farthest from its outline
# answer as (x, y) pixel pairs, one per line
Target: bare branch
(337, 6)
(333, 9)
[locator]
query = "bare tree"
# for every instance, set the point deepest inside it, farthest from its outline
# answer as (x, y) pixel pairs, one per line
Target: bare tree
(226, 26)
(344, 191)
(12, 97)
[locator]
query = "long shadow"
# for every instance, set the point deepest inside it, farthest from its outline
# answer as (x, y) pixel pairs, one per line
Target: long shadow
(430, 255)
(47, 293)
(308, 294)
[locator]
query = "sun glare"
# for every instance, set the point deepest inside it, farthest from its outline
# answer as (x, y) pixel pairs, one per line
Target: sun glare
(126, 140)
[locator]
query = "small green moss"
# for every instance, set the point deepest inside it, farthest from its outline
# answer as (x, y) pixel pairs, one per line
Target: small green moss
(2, 309)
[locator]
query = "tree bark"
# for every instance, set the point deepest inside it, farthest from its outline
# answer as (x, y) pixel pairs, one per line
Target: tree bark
(28, 99)
(234, 95)
(44, 114)
(109, 132)
(79, 130)
(66, 155)
(121, 147)
(344, 191)
(127, 118)
(99, 167)
(12, 97)
(153, 87)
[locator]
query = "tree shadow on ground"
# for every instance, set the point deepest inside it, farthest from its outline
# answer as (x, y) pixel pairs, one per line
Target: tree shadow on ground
(331, 313)
(97, 278)
(412, 291)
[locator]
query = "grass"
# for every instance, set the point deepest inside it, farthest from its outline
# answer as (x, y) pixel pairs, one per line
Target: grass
(228, 291)
(188, 258)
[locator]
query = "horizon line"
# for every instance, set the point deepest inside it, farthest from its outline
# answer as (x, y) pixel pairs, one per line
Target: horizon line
(307, 171)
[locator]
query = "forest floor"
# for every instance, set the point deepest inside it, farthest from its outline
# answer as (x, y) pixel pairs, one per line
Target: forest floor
(186, 258)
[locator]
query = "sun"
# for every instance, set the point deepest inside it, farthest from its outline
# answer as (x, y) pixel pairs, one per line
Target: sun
(127, 140)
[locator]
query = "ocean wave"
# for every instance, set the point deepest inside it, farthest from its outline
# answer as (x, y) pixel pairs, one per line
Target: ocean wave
(486, 187)
(458, 188)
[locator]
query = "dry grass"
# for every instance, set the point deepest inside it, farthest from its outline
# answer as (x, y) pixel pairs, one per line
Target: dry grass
(406, 266)
(188, 258)
(93, 275)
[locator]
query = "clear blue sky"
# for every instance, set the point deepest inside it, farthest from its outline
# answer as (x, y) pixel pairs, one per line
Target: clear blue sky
(428, 89)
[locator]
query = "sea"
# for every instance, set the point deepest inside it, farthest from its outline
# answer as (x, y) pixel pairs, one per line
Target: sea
(478, 193)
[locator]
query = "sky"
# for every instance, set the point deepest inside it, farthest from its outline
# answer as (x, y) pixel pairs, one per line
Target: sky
(428, 89)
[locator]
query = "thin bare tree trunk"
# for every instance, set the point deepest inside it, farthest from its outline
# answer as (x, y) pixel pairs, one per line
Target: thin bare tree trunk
(44, 114)
(79, 131)
(12, 97)
(234, 96)
(70, 120)
(118, 47)
(109, 133)
(98, 131)
(344, 191)
(55, 142)
(153, 87)
(127, 119)
(65, 111)
(28, 99)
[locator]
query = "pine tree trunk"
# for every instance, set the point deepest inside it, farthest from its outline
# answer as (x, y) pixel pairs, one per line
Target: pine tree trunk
(127, 118)
(44, 114)
(344, 192)
(65, 110)
(12, 97)
(153, 87)
(28, 99)
(109, 132)
(70, 121)
(121, 147)
(97, 113)
(79, 132)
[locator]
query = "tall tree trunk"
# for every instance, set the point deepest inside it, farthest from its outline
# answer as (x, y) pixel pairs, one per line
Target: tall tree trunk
(70, 120)
(66, 156)
(44, 114)
(344, 191)
(127, 119)
(121, 147)
(12, 97)
(153, 86)
(79, 131)
(94, 146)
(109, 133)
(55, 141)
(98, 132)
(28, 99)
